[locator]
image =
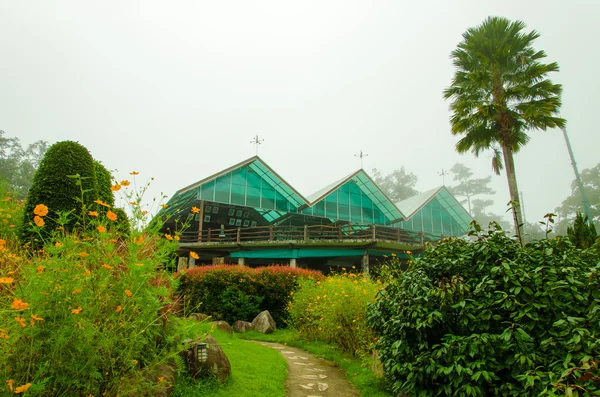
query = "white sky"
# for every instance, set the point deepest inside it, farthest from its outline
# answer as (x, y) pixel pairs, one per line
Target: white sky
(176, 90)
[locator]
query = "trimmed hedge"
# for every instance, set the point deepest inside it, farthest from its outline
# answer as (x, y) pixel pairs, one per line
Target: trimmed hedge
(52, 187)
(491, 318)
(231, 292)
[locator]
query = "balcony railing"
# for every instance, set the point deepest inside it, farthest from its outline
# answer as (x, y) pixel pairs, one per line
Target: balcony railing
(306, 233)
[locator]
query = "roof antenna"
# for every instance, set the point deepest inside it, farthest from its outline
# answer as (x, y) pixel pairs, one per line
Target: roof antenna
(361, 155)
(443, 175)
(257, 142)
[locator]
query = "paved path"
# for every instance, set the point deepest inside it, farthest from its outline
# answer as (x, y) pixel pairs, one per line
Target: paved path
(309, 376)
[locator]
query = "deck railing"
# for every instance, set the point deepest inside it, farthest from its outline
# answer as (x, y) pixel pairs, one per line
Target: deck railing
(339, 232)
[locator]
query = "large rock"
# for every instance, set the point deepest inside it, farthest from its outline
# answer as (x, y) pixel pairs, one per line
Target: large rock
(264, 323)
(223, 326)
(199, 316)
(216, 364)
(242, 326)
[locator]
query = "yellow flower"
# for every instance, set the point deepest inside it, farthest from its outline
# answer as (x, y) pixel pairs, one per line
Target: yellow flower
(111, 215)
(40, 210)
(134, 362)
(195, 210)
(76, 311)
(22, 389)
(139, 264)
(115, 188)
(21, 321)
(6, 280)
(194, 255)
(39, 221)
(168, 237)
(177, 238)
(102, 203)
(18, 304)
(92, 213)
(128, 293)
(164, 206)
(125, 182)
(134, 173)
(408, 252)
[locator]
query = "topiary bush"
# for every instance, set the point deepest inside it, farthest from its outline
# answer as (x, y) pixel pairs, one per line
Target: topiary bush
(334, 310)
(54, 187)
(103, 184)
(491, 318)
(211, 289)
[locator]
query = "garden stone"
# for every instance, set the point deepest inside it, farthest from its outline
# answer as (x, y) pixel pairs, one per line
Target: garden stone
(199, 316)
(223, 326)
(217, 362)
(242, 326)
(264, 323)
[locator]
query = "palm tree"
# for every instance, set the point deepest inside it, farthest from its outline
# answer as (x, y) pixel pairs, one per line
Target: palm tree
(499, 93)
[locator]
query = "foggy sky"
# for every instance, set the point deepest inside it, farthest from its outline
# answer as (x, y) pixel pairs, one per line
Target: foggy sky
(176, 90)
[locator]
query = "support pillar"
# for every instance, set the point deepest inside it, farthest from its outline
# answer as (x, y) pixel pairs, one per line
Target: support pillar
(365, 264)
(191, 263)
(242, 261)
(293, 262)
(182, 263)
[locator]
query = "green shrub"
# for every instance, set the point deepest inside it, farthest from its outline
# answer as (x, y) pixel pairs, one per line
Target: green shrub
(207, 289)
(11, 214)
(53, 187)
(334, 311)
(103, 184)
(583, 233)
(491, 318)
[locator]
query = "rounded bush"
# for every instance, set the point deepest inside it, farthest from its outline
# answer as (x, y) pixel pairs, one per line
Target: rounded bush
(491, 318)
(103, 184)
(55, 186)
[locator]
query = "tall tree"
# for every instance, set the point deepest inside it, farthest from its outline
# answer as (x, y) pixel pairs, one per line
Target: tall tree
(398, 186)
(467, 186)
(590, 178)
(499, 92)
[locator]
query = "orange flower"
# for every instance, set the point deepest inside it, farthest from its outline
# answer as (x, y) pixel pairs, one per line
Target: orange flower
(18, 304)
(134, 173)
(6, 280)
(111, 215)
(3, 335)
(128, 293)
(21, 321)
(164, 206)
(102, 203)
(119, 308)
(34, 317)
(133, 203)
(86, 273)
(10, 384)
(106, 266)
(76, 311)
(83, 254)
(408, 252)
(58, 244)
(40, 210)
(78, 290)
(125, 182)
(115, 188)
(177, 238)
(92, 213)
(39, 221)
(134, 362)
(143, 212)
(22, 389)
(40, 269)
(138, 240)
(168, 237)
(101, 229)
(195, 210)
(2, 241)
(194, 255)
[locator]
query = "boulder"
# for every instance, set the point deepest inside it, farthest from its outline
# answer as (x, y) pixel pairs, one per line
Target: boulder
(217, 362)
(264, 323)
(242, 326)
(223, 326)
(199, 316)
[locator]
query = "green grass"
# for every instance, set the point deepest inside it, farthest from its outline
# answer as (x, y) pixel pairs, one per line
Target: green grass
(358, 372)
(256, 371)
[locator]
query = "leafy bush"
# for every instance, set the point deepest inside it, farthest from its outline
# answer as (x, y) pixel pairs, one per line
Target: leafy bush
(583, 233)
(60, 193)
(334, 311)
(11, 214)
(103, 184)
(207, 289)
(492, 318)
(89, 315)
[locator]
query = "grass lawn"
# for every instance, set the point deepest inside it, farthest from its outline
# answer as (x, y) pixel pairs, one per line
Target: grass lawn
(256, 371)
(357, 372)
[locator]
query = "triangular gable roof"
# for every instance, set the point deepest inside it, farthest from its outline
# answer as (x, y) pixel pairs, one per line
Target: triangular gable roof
(369, 187)
(413, 204)
(188, 194)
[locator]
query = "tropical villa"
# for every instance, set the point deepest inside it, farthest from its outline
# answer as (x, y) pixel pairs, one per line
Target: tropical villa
(248, 214)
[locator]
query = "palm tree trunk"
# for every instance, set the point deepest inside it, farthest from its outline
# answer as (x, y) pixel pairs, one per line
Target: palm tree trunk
(513, 189)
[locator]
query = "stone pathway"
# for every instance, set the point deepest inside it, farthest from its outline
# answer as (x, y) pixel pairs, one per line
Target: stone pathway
(309, 376)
